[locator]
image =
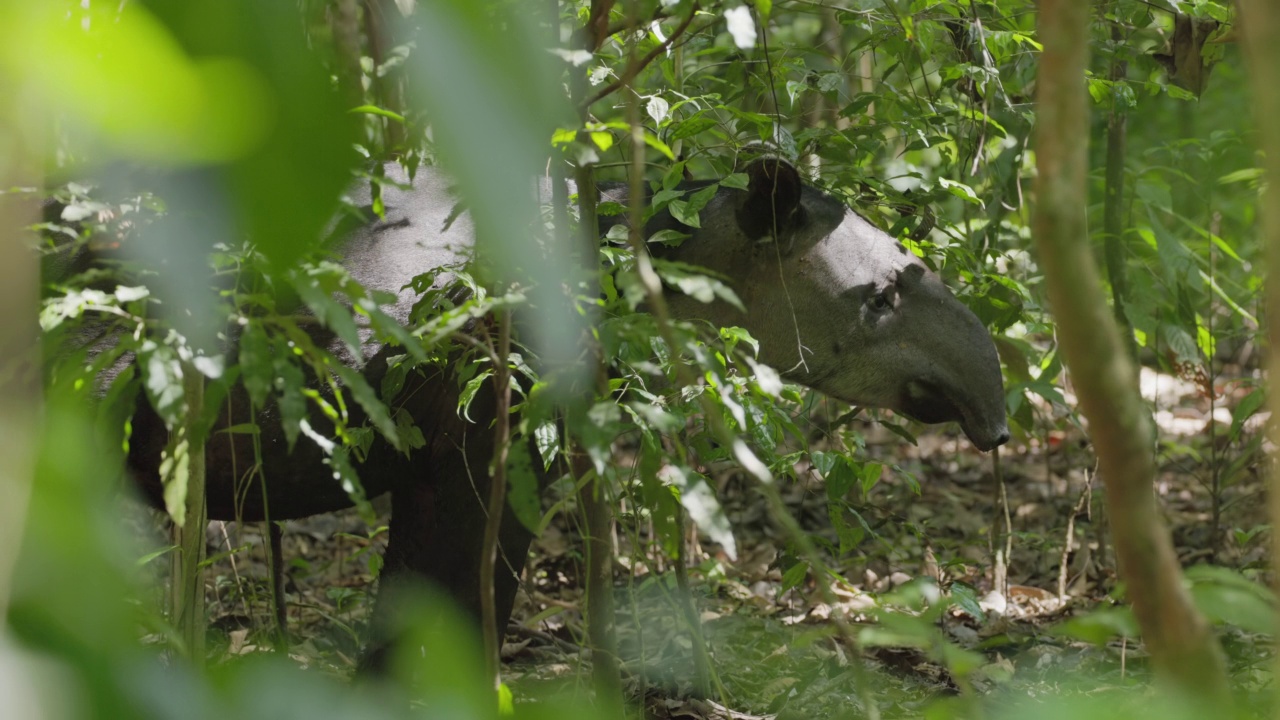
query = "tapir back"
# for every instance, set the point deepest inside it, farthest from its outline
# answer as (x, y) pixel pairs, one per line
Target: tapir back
(424, 227)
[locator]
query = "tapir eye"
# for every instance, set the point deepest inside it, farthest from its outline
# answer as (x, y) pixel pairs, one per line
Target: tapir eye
(881, 301)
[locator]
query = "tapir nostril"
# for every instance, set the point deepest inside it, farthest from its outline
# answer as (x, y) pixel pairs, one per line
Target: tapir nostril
(1003, 438)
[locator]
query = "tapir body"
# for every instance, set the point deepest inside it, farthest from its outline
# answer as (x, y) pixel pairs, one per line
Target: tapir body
(837, 305)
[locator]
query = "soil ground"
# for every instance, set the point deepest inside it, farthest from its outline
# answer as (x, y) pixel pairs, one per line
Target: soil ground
(771, 633)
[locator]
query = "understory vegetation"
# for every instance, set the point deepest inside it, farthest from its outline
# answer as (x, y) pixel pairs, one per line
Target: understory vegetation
(174, 177)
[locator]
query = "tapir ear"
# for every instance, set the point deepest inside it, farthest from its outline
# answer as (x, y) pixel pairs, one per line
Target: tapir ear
(773, 198)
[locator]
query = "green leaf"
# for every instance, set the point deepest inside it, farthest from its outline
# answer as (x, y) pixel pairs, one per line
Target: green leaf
(547, 438)
(602, 139)
(966, 598)
(694, 125)
(289, 384)
(823, 462)
(523, 496)
(841, 479)
(469, 393)
(1204, 338)
(175, 472)
(381, 112)
(734, 335)
(691, 282)
(960, 190)
(668, 236)
(658, 109)
(658, 145)
(257, 366)
(409, 432)
(793, 576)
(331, 313)
(1245, 410)
(1249, 175)
(1100, 626)
(1216, 240)
(1217, 290)
(345, 473)
(899, 431)
(162, 378)
(1227, 597)
(870, 474)
(146, 559)
(686, 211)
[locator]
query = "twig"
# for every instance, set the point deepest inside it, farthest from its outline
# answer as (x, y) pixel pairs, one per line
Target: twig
(1004, 540)
(1071, 536)
(626, 25)
(701, 657)
(634, 68)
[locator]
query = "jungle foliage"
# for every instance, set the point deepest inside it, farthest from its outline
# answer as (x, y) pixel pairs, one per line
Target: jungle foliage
(199, 150)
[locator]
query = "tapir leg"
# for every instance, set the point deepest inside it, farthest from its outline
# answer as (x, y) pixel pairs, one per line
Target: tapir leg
(438, 515)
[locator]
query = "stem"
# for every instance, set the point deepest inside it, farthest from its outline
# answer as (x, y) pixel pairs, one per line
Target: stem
(188, 563)
(701, 658)
(497, 499)
(1113, 208)
(1070, 539)
(597, 513)
(1003, 540)
(1215, 470)
(598, 517)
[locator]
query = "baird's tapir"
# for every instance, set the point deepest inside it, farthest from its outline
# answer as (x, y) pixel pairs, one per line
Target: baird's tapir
(837, 305)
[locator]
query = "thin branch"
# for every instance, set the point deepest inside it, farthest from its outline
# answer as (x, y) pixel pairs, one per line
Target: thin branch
(634, 68)
(626, 25)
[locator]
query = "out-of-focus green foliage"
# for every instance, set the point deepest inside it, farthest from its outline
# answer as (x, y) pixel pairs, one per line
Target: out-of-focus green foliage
(221, 147)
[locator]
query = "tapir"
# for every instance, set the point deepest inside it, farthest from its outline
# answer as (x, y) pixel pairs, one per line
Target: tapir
(837, 305)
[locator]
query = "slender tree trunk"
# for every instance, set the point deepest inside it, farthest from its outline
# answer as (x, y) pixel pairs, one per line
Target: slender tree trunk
(598, 513)
(19, 341)
(1183, 649)
(379, 16)
(1113, 208)
(497, 501)
(344, 20)
(1259, 22)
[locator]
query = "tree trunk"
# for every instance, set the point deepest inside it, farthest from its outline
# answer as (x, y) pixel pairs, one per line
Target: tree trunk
(1184, 651)
(345, 23)
(19, 340)
(606, 672)
(1259, 23)
(388, 88)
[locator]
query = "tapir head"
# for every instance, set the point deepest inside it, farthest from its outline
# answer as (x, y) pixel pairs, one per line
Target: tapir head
(842, 307)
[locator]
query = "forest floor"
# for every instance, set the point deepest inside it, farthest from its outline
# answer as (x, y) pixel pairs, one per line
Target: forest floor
(772, 635)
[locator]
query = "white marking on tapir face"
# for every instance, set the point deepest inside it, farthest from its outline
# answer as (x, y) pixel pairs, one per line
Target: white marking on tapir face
(837, 312)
